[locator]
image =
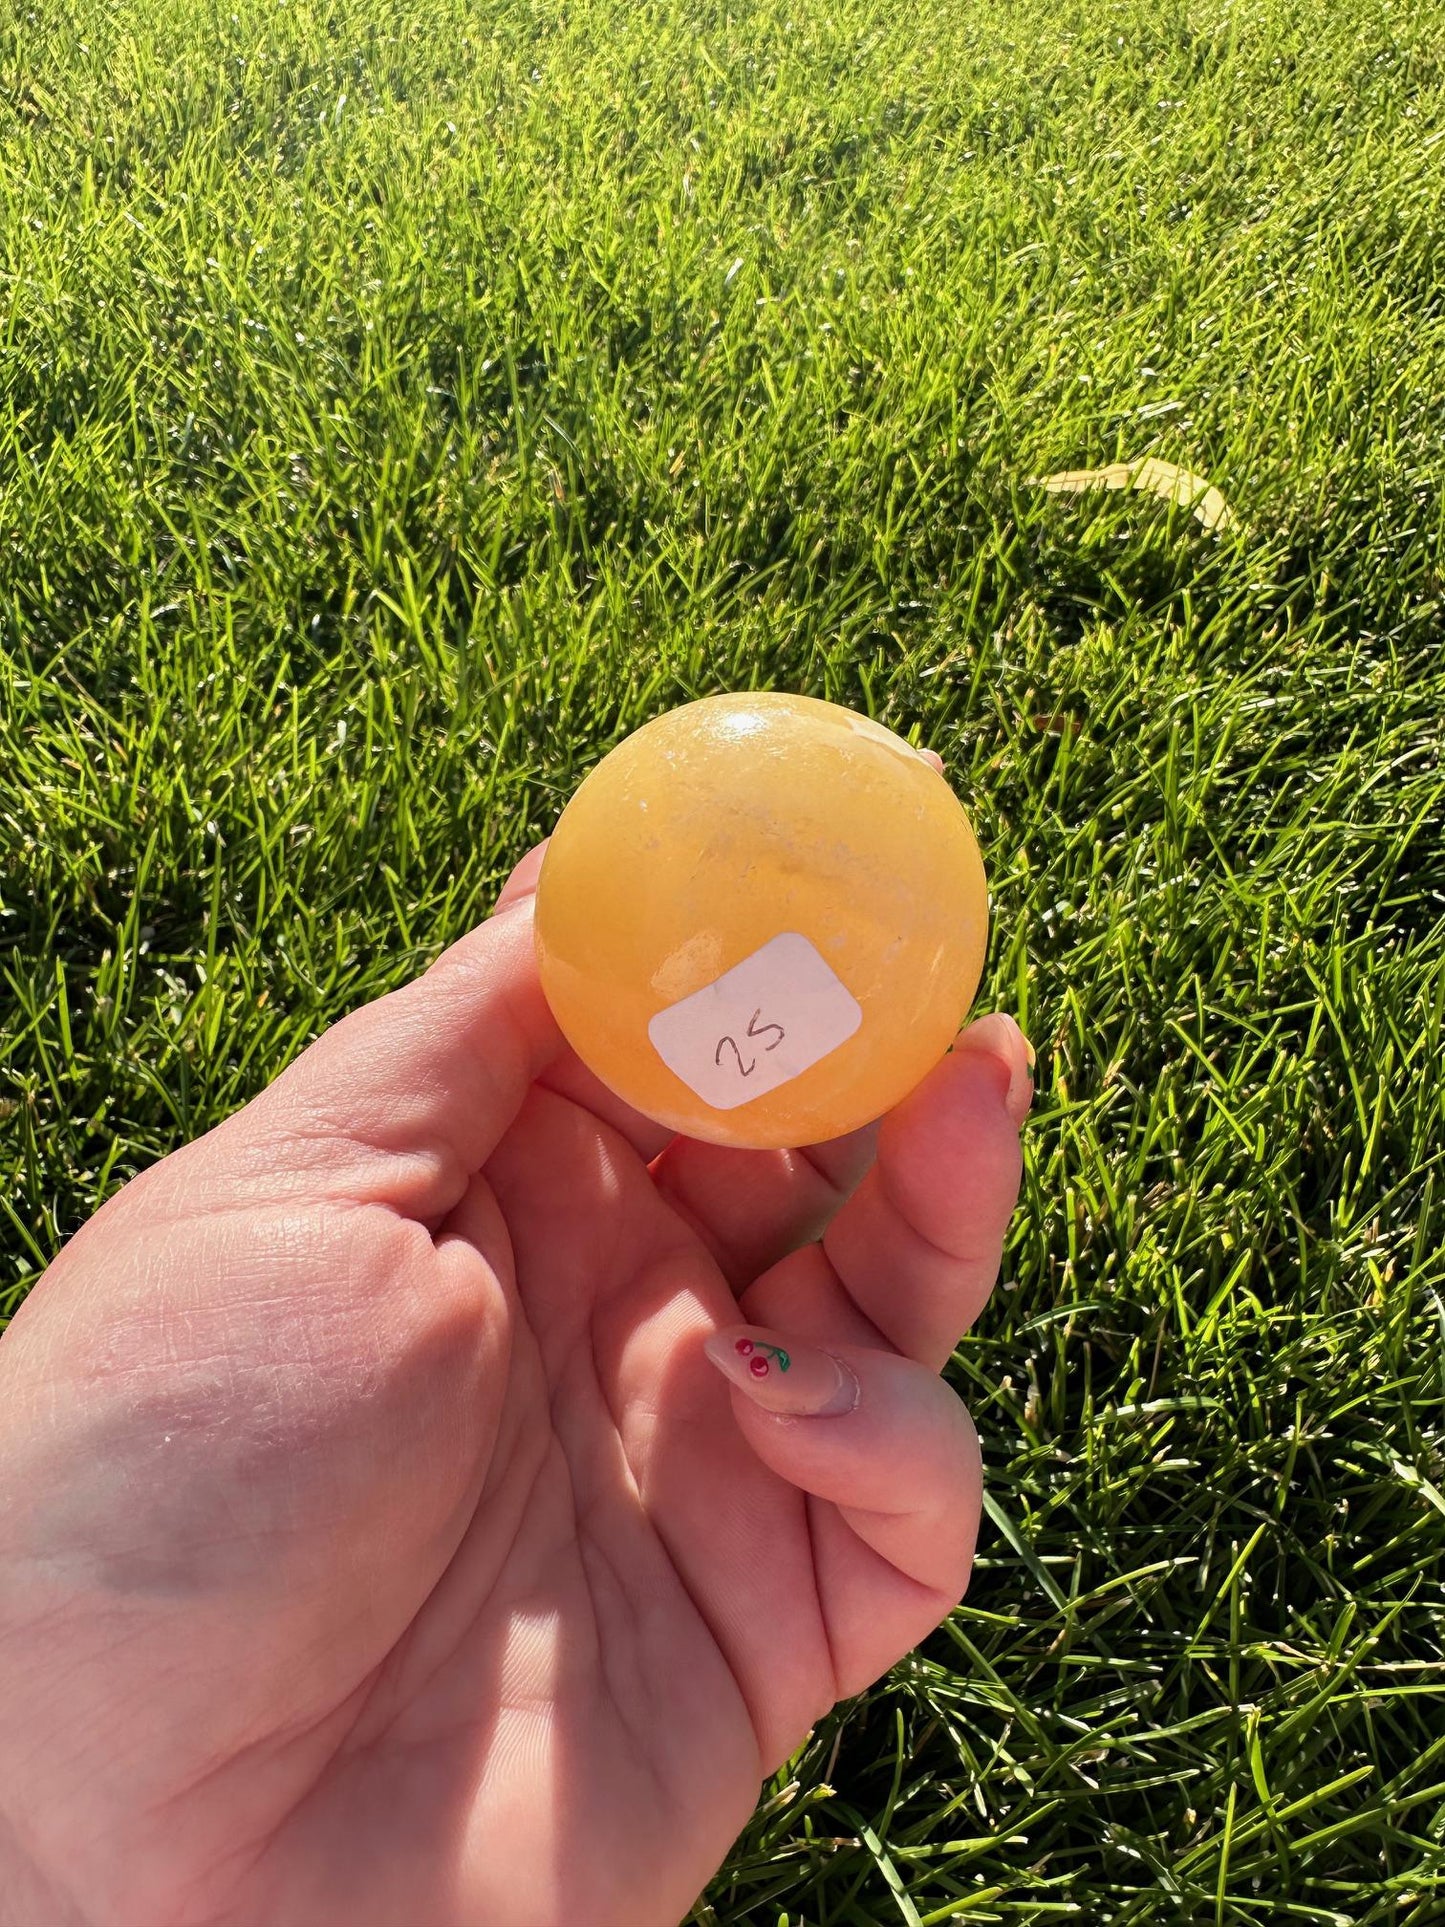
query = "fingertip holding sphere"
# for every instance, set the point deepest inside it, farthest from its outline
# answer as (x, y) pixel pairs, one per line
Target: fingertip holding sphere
(762, 919)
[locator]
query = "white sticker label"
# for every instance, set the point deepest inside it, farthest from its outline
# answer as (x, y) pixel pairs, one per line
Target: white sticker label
(763, 1022)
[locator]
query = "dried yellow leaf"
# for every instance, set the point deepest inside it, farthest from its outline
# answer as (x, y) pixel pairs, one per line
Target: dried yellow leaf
(1165, 479)
(1075, 480)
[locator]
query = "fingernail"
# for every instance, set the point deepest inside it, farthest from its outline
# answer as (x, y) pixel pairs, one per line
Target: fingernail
(782, 1376)
(522, 883)
(932, 756)
(999, 1038)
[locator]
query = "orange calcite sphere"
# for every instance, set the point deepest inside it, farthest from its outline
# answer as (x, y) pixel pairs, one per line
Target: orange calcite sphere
(761, 920)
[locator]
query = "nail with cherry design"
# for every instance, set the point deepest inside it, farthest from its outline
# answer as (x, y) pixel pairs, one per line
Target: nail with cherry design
(789, 1379)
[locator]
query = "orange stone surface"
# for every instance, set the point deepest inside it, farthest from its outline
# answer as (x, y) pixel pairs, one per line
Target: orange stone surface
(761, 920)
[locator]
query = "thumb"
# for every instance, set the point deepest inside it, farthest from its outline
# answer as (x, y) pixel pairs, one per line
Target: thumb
(406, 1097)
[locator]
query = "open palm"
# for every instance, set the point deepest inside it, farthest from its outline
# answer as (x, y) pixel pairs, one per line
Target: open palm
(380, 1543)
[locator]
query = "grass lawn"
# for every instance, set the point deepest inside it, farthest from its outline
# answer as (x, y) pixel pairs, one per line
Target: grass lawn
(401, 400)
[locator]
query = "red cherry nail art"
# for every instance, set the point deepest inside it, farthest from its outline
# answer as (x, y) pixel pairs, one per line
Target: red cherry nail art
(758, 1365)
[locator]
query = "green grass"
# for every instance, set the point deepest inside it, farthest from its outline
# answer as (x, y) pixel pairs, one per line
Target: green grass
(400, 401)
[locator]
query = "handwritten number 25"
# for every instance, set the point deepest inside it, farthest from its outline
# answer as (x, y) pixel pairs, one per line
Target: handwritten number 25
(754, 1031)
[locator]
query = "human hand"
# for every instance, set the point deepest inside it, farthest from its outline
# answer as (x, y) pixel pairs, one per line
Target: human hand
(379, 1545)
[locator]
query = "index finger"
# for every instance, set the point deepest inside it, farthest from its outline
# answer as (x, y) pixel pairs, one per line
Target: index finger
(918, 1247)
(910, 1259)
